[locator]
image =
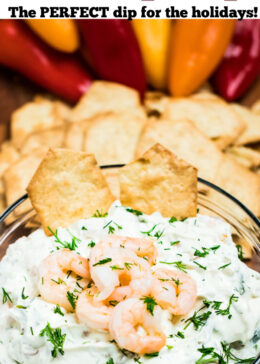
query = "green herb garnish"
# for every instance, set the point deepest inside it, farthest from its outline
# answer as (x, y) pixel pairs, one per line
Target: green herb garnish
(110, 361)
(56, 338)
(198, 320)
(202, 253)
(174, 242)
(150, 303)
(209, 355)
(240, 252)
(103, 261)
(158, 234)
(135, 212)
(148, 233)
(59, 281)
(113, 303)
(115, 267)
(65, 244)
(58, 310)
(179, 265)
(111, 229)
(173, 219)
(72, 299)
(92, 244)
(151, 355)
(226, 311)
(214, 248)
(199, 265)
(224, 266)
(128, 265)
(6, 296)
(23, 295)
(99, 214)
(180, 335)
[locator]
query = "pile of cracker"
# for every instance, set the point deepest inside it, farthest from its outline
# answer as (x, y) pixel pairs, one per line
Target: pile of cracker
(221, 140)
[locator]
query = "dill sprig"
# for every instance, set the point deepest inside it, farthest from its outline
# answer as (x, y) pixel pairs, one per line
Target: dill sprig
(72, 298)
(102, 261)
(65, 244)
(6, 296)
(179, 265)
(57, 309)
(56, 338)
(100, 214)
(198, 320)
(150, 303)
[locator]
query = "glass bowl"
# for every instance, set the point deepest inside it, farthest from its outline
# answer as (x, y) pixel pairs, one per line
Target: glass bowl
(212, 200)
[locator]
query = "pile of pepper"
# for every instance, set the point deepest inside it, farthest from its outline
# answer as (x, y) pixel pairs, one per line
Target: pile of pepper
(63, 55)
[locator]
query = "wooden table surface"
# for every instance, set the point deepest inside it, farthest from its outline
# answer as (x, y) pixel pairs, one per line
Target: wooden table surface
(15, 90)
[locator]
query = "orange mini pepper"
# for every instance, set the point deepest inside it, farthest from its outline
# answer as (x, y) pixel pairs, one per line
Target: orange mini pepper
(61, 34)
(153, 37)
(197, 48)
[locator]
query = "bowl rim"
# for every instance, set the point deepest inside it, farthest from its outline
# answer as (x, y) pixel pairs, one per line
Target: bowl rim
(220, 190)
(23, 198)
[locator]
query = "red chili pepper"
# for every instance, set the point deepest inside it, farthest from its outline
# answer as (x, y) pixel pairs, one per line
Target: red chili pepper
(241, 63)
(113, 51)
(24, 52)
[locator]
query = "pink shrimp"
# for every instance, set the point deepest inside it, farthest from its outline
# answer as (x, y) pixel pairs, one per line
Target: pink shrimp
(58, 276)
(135, 329)
(114, 267)
(174, 290)
(95, 315)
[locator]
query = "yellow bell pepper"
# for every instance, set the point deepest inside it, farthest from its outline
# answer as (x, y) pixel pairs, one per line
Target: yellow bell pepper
(153, 36)
(61, 34)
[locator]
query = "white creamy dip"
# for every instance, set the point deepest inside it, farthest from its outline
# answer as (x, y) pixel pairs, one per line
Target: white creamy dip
(219, 274)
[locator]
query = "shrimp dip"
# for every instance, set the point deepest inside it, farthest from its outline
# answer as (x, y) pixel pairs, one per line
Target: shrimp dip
(126, 287)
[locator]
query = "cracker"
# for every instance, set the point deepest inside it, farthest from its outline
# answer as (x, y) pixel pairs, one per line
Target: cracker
(252, 121)
(17, 177)
(33, 117)
(160, 181)
(245, 156)
(104, 97)
(155, 103)
(112, 137)
(239, 182)
(75, 135)
(256, 107)
(212, 116)
(186, 141)
(8, 155)
(112, 178)
(62, 109)
(66, 187)
(49, 138)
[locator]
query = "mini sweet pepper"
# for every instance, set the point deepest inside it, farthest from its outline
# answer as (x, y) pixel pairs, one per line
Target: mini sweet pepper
(153, 36)
(61, 34)
(111, 48)
(24, 52)
(241, 63)
(197, 47)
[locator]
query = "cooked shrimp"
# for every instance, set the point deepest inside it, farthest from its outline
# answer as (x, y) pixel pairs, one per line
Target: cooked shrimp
(137, 288)
(58, 274)
(143, 247)
(135, 329)
(95, 315)
(116, 267)
(174, 290)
